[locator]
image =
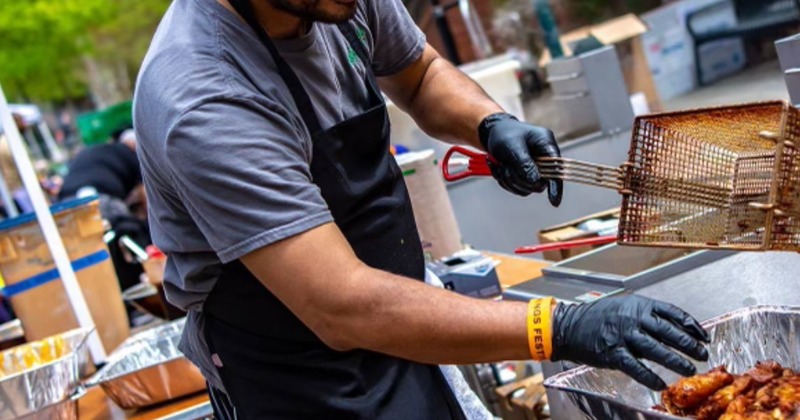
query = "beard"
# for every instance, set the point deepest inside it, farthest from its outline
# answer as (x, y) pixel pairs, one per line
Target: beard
(325, 11)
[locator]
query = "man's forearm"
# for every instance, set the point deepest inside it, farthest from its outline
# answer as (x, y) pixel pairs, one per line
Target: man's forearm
(408, 319)
(349, 305)
(449, 105)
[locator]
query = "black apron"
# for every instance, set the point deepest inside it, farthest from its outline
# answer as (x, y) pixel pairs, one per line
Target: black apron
(273, 365)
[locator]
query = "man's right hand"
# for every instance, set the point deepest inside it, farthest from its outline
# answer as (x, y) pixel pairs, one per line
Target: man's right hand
(613, 333)
(516, 145)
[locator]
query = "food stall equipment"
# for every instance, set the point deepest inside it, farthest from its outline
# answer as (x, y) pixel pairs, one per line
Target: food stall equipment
(469, 273)
(744, 217)
(49, 228)
(519, 219)
(598, 131)
(149, 369)
(41, 379)
(715, 178)
(558, 246)
(789, 55)
(704, 283)
(590, 91)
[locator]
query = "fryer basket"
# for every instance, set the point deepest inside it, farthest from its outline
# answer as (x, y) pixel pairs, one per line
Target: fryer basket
(725, 177)
(714, 178)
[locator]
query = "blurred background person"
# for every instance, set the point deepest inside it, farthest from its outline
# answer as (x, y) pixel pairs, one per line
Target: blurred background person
(111, 171)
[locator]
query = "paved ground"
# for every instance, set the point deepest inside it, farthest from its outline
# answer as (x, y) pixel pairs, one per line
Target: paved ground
(761, 82)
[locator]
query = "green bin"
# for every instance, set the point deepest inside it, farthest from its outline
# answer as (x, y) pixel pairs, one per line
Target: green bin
(97, 127)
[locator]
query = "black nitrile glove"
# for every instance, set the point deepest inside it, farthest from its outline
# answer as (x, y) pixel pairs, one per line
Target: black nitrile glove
(612, 333)
(515, 145)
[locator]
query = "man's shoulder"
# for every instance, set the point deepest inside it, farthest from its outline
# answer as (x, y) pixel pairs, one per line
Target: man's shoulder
(192, 61)
(184, 60)
(201, 52)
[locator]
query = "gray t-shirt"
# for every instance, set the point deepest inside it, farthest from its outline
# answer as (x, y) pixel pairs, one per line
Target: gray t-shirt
(225, 154)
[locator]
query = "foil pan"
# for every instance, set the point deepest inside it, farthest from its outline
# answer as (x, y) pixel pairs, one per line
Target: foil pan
(26, 391)
(739, 339)
(149, 369)
(63, 410)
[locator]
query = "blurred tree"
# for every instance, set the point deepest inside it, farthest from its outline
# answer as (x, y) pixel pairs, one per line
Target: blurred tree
(120, 43)
(55, 50)
(40, 43)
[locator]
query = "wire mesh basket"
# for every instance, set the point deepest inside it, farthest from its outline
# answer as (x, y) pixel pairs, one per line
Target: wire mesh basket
(713, 178)
(724, 177)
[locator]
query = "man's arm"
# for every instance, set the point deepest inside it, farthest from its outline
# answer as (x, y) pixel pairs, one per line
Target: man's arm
(350, 305)
(450, 106)
(443, 101)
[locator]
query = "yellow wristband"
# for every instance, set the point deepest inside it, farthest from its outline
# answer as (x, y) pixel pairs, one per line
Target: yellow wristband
(540, 334)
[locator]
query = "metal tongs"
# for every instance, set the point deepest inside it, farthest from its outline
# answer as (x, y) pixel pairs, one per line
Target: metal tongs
(553, 168)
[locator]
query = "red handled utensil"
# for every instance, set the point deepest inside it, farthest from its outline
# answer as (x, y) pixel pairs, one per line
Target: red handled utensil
(478, 164)
(554, 168)
(558, 246)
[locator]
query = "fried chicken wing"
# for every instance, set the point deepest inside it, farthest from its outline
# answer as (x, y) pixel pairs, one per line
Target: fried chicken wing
(735, 416)
(768, 391)
(764, 372)
(788, 394)
(719, 402)
(740, 405)
(689, 393)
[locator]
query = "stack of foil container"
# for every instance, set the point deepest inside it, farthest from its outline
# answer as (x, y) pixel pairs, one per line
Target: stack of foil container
(35, 386)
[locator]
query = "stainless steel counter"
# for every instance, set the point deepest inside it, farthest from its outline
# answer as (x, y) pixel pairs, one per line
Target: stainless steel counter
(741, 280)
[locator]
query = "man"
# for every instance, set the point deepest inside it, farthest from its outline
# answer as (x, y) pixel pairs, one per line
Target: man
(291, 242)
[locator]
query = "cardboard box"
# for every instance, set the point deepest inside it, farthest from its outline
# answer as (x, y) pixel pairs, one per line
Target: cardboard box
(624, 33)
(33, 284)
(523, 400)
(568, 231)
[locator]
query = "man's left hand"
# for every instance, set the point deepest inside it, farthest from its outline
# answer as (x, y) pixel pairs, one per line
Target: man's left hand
(515, 145)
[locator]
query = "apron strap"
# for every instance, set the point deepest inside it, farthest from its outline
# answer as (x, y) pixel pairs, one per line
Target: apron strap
(299, 94)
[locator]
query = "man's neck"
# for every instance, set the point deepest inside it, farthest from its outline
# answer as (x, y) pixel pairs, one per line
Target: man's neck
(277, 23)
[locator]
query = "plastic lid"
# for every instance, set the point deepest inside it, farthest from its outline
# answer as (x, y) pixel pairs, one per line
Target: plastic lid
(54, 209)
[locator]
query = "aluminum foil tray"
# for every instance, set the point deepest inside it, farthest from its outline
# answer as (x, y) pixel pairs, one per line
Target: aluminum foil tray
(63, 410)
(149, 369)
(27, 391)
(739, 339)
